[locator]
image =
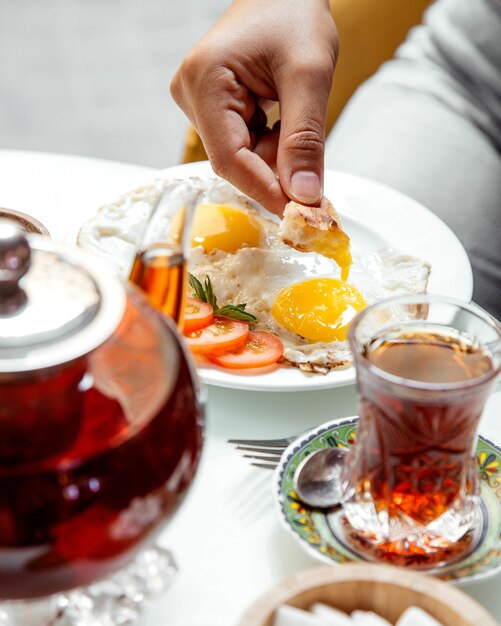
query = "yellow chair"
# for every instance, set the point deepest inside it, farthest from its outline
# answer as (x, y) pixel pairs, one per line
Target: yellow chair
(369, 33)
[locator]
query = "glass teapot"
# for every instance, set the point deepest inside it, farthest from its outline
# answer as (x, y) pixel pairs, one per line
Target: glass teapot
(100, 419)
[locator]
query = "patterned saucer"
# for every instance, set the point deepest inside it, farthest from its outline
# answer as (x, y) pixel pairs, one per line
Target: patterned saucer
(323, 532)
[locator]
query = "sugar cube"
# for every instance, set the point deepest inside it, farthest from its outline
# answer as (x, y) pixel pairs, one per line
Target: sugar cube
(331, 617)
(413, 616)
(368, 618)
(290, 616)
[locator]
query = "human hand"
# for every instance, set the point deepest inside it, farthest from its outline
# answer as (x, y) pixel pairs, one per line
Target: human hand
(261, 51)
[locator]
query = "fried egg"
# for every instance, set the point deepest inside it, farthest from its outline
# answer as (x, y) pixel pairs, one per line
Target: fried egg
(299, 297)
(220, 227)
(318, 309)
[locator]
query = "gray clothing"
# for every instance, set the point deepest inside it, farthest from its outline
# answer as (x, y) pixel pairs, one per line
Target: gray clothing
(428, 123)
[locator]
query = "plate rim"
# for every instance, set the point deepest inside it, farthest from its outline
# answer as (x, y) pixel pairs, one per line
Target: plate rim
(307, 436)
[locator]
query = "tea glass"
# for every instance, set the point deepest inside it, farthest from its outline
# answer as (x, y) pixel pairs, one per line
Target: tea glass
(411, 482)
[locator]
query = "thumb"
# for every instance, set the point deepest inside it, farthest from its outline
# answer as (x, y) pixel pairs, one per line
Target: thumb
(300, 158)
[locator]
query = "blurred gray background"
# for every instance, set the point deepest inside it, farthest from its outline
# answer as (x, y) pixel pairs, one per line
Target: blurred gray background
(91, 77)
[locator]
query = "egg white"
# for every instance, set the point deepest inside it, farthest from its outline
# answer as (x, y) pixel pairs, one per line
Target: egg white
(250, 275)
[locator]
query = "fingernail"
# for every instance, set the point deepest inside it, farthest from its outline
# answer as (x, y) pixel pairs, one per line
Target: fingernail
(305, 187)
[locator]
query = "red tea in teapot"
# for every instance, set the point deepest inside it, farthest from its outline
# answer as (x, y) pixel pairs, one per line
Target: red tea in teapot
(94, 457)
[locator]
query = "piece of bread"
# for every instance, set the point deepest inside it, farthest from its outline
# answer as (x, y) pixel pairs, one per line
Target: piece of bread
(316, 229)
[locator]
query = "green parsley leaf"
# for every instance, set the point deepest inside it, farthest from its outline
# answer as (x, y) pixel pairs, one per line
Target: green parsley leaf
(206, 293)
(197, 287)
(236, 313)
(209, 292)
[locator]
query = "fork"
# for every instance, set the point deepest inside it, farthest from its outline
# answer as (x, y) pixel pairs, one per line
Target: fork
(266, 452)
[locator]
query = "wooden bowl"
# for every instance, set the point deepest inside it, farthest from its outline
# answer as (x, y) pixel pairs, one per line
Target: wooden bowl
(384, 589)
(25, 221)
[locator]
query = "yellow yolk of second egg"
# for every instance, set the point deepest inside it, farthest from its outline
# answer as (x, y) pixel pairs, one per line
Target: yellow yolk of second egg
(221, 227)
(318, 309)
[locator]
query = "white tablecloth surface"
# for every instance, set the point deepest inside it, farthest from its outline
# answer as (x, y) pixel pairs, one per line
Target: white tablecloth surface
(227, 539)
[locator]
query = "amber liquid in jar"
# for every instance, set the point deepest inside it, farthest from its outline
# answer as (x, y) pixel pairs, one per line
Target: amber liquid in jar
(160, 272)
(94, 458)
(417, 450)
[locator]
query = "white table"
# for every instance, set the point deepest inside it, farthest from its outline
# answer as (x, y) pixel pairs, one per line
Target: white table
(226, 538)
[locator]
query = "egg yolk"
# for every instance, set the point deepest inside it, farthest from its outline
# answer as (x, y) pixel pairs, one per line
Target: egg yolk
(334, 244)
(319, 309)
(337, 247)
(220, 227)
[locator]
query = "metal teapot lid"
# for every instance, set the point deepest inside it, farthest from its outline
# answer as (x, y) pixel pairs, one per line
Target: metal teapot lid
(56, 303)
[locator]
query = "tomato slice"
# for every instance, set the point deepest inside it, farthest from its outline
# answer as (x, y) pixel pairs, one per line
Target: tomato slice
(223, 334)
(260, 349)
(197, 314)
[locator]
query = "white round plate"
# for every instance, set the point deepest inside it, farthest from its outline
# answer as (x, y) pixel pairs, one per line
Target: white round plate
(374, 216)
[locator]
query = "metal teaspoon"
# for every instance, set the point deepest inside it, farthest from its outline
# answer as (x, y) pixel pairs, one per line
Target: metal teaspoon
(317, 479)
